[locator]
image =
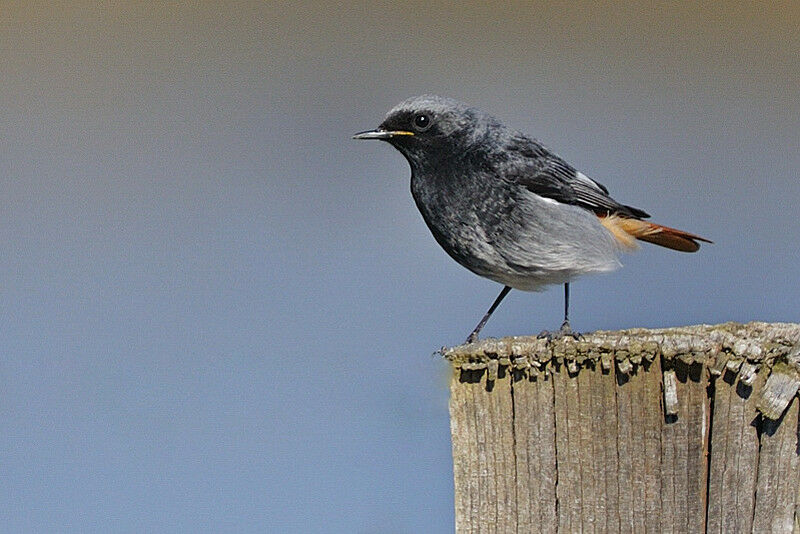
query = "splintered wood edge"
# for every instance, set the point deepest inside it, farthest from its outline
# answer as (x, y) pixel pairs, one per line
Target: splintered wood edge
(742, 349)
(782, 385)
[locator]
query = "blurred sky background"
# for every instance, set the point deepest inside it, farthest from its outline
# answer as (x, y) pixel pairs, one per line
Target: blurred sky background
(219, 311)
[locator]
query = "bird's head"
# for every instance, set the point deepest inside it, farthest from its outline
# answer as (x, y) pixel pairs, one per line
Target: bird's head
(430, 128)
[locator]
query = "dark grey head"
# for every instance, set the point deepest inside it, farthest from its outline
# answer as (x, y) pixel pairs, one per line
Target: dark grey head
(428, 128)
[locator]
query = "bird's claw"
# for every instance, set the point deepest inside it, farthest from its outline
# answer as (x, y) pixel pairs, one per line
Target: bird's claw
(564, 331)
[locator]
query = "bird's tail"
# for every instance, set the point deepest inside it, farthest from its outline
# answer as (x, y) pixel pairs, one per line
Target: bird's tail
(627, 231)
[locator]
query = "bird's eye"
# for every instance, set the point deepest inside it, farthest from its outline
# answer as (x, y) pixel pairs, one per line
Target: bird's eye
(422, 122)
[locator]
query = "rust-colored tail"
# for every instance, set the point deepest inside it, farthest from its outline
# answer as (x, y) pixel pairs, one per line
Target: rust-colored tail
(627, 230)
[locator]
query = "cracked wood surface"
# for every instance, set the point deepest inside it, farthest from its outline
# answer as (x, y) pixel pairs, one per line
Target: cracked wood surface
(691, 429)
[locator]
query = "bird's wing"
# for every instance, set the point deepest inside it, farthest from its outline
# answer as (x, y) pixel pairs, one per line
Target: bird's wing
(551, 177)
(547, 175)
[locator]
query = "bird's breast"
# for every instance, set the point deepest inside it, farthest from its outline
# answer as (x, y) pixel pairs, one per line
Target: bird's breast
(464, 218)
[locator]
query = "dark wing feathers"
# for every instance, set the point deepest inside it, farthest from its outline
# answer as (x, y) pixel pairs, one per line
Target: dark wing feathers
(549, 176)
(600, 202)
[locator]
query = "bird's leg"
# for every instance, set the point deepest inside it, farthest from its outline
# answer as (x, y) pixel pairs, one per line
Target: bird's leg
(566, 329)
(474, 335)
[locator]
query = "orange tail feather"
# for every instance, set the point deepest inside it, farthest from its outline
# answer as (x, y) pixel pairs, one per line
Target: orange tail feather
(625, 230)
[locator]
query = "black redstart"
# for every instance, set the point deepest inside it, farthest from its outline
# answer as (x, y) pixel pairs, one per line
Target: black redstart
(508, 209)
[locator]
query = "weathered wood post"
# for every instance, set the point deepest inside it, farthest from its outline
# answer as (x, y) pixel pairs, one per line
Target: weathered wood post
(690, 429)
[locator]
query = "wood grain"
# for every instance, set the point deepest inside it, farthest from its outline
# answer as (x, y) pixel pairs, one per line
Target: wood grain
(674, 430)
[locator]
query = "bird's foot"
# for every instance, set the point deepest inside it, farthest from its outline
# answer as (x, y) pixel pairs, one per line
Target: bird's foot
(564, 331)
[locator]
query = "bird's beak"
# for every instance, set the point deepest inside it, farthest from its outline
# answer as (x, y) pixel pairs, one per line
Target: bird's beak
(381, 134)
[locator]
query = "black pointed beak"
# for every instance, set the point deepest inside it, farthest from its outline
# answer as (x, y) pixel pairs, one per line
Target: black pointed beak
(381, 134)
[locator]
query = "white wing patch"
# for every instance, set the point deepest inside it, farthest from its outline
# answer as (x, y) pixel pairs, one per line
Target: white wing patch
(548, 200)
(588, 181)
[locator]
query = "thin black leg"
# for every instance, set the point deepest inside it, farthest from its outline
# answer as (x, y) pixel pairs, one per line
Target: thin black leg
(565, 327)
(474, 335)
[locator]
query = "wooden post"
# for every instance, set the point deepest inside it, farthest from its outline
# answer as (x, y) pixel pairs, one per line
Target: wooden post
(691, 429)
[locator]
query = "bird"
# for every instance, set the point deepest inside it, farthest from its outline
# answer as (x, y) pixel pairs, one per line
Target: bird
(509, 209)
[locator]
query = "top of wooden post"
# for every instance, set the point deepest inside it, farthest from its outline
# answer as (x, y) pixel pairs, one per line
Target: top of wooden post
(743, 349)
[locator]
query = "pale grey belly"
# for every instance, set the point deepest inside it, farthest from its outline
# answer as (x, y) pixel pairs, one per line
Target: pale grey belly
(540, 242)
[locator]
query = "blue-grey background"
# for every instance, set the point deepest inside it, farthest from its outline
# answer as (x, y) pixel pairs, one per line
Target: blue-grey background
(219, 312)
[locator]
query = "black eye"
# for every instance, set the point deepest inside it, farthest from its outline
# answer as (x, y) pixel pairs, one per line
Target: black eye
(422, 122)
